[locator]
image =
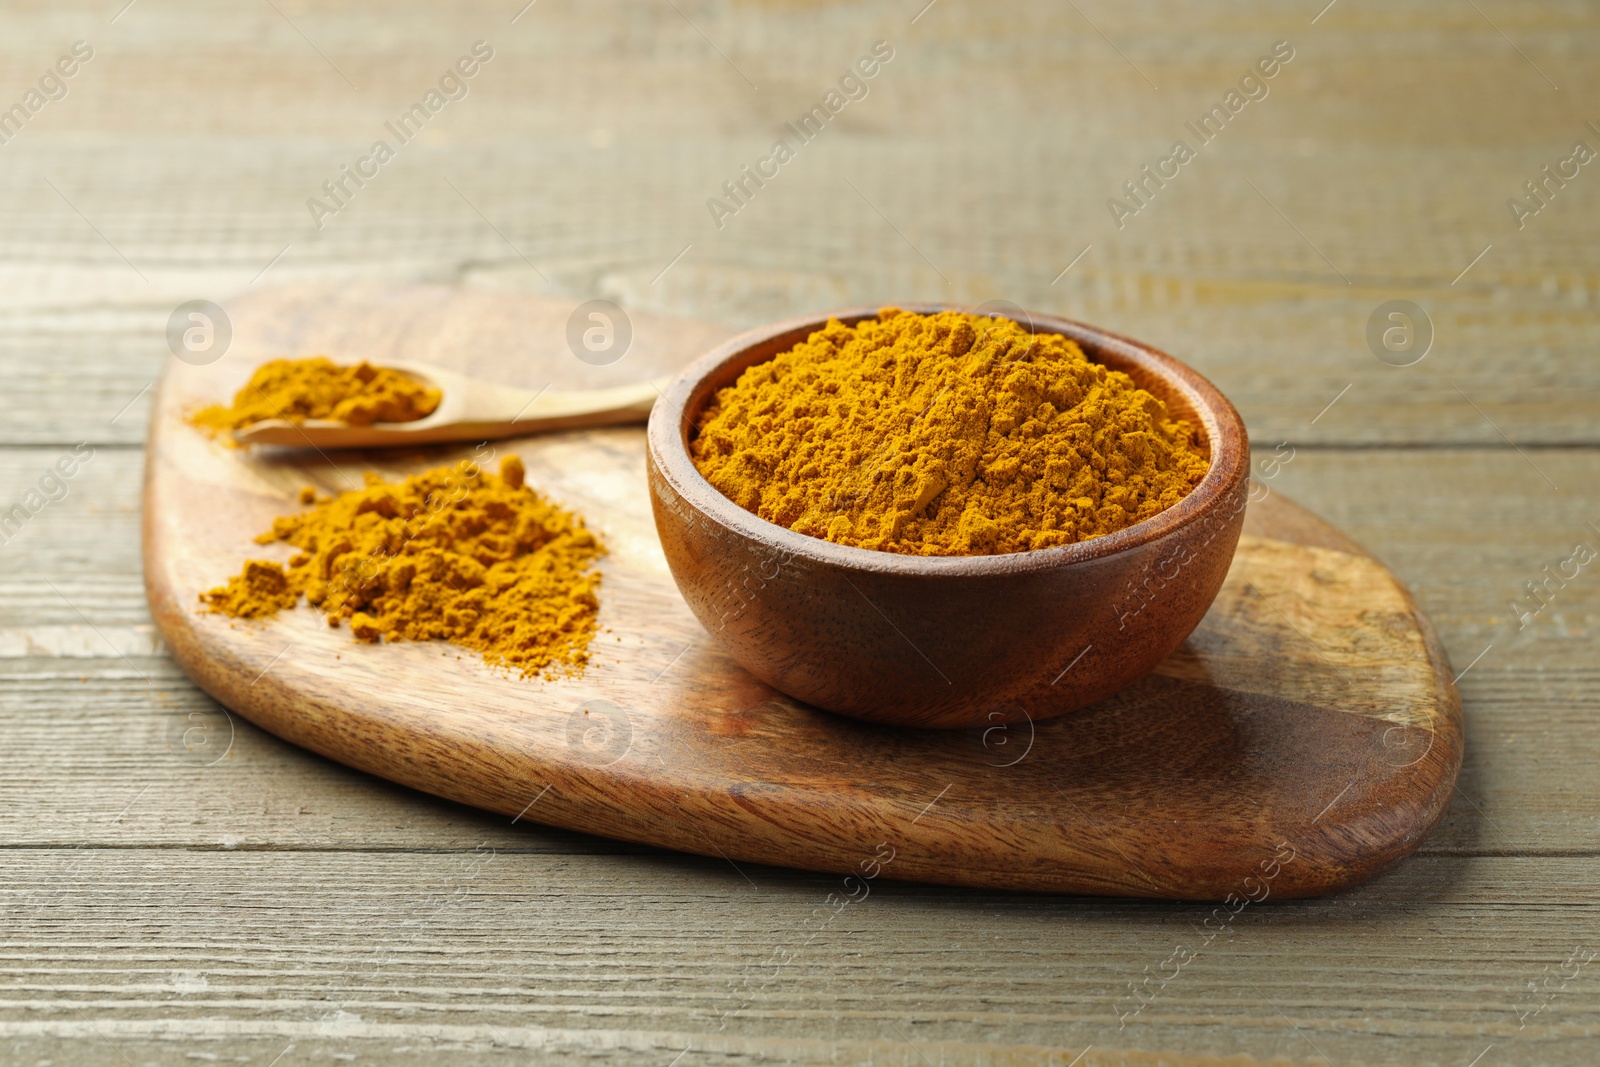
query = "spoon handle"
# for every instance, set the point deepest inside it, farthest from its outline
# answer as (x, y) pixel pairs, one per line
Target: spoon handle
(550, 409)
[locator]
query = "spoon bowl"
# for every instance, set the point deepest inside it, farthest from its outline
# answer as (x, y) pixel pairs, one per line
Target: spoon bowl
(947, 641)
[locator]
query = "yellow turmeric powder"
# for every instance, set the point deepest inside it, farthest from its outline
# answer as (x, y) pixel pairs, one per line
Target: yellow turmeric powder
(318, 388)
(944, 434)
(455, 553)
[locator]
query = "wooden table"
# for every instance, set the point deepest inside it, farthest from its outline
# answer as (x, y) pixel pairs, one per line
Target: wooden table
(274, 908)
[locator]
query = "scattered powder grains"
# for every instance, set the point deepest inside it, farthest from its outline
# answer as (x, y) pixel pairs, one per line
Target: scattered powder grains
(455, 553)
(301, 389)
(945, 434)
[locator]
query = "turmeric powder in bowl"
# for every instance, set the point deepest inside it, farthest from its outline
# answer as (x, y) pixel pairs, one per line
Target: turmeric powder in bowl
(944, 435)
(318, 388)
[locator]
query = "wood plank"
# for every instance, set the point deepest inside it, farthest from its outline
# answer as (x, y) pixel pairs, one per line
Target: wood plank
(358, 948)
(1281, 362)
(448, 1044)
(602, 193)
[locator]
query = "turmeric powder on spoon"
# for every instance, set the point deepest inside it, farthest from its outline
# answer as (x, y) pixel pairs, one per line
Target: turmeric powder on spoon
(945, 435)
(318, 388)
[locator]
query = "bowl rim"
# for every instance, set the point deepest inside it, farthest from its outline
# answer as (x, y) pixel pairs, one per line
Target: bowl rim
(1226, 438)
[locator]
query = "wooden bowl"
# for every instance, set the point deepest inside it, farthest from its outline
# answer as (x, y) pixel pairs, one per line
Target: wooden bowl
(946, 641)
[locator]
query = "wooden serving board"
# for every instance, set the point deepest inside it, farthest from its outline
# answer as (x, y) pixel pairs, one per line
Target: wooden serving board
(1306, 736)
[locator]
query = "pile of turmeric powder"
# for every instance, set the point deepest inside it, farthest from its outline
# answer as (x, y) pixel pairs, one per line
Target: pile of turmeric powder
(945, 434)
(455, 554)
(318, 388)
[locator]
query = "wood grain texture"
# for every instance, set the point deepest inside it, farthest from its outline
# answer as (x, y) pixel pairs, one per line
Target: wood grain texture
(595, 137)
(439, 951)
(1341, 762)
(1392, 141)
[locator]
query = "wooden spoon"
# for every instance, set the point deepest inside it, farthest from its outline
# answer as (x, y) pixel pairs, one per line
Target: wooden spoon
(471, 410)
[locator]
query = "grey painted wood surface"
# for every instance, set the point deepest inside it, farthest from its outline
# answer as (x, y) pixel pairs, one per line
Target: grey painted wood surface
(274, 907)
